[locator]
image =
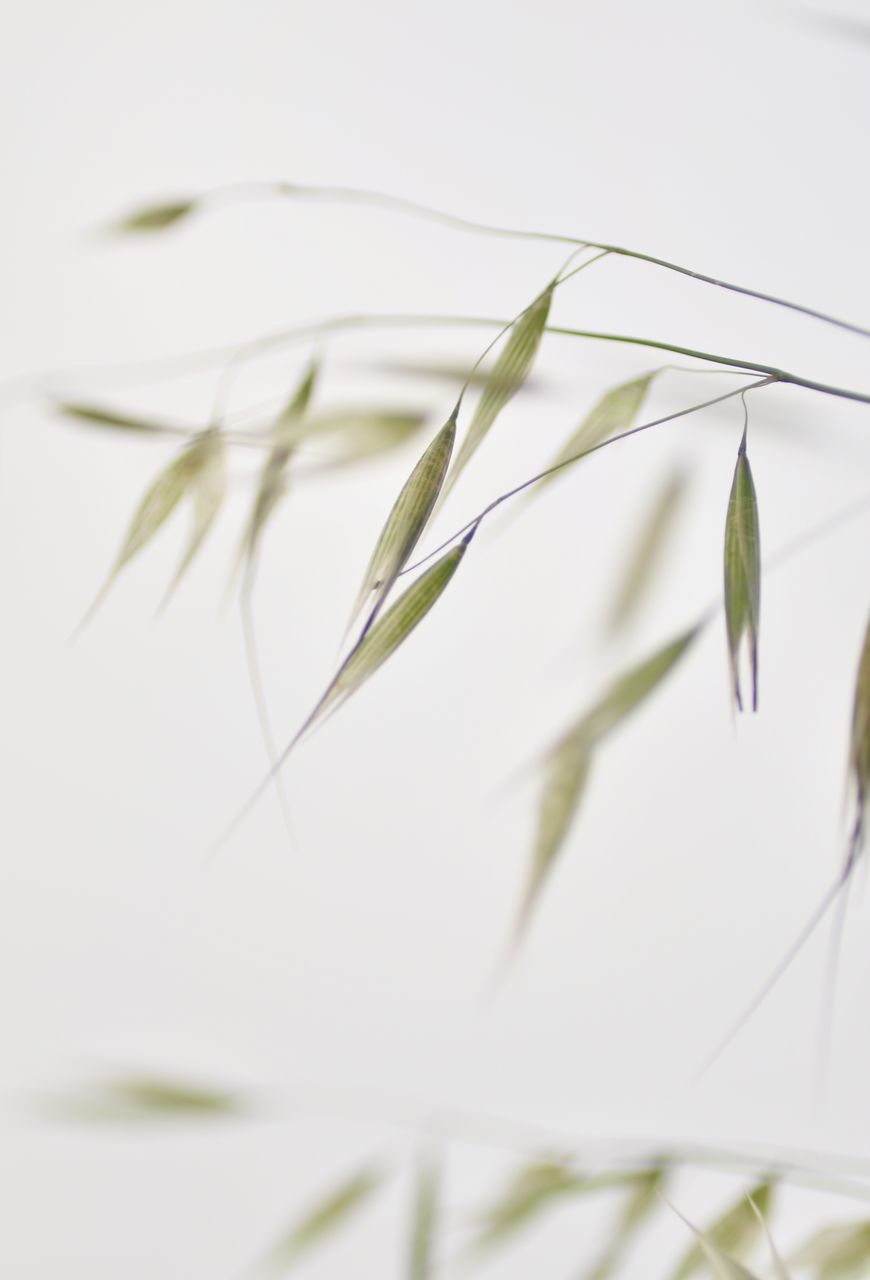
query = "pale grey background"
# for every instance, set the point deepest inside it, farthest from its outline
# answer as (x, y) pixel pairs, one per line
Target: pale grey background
(731, 137)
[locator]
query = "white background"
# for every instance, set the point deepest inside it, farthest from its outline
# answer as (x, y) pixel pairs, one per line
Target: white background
(729, 137)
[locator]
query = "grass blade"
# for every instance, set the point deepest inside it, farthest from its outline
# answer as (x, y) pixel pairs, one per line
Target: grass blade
(324, 1218)
(742, 575)
(509, 373)
(407, 520)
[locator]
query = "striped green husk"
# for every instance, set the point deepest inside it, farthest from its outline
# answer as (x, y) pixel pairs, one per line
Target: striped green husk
(408, 518)
(742, 575)
(508, 375)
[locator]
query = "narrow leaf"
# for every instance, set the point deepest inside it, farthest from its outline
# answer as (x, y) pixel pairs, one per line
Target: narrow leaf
(616, 411)
(742, 575)
(736, 1232)
(324, 1218)
(837, 1253)
(647, 552)
(387, 633)
(509, 373)
(156, 217)
(421, 1253)
(407, 520)
(859, 747)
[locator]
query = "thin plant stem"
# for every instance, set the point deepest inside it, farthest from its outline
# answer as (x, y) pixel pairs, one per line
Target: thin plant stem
(345, 323)
(794, 949)
(503, 1134)
(255, 674)
(356, 195)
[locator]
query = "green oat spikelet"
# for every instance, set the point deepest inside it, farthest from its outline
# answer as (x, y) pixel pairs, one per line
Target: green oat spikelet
(837, 1253)
(388, 632)
(651, 540)
(424, 1213)
(616, 411)
(735, 1232)
(780, 1270)
(530, 1191)
(208, 488)
(569, 761)
(97, 416)
(643, 1197)
(407, 520)
(376, 644)
(508, 374)
(567, 771)
(742, 575)
(156, 217)
(183, 474)
(355, 435)
(324, 1218)
(720, 1263)
(273, 476)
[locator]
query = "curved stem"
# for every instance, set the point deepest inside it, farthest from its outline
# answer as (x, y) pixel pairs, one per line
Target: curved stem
(336, 324)
(358, 195)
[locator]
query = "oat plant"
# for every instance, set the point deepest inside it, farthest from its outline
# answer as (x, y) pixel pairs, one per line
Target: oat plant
(403, 583)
